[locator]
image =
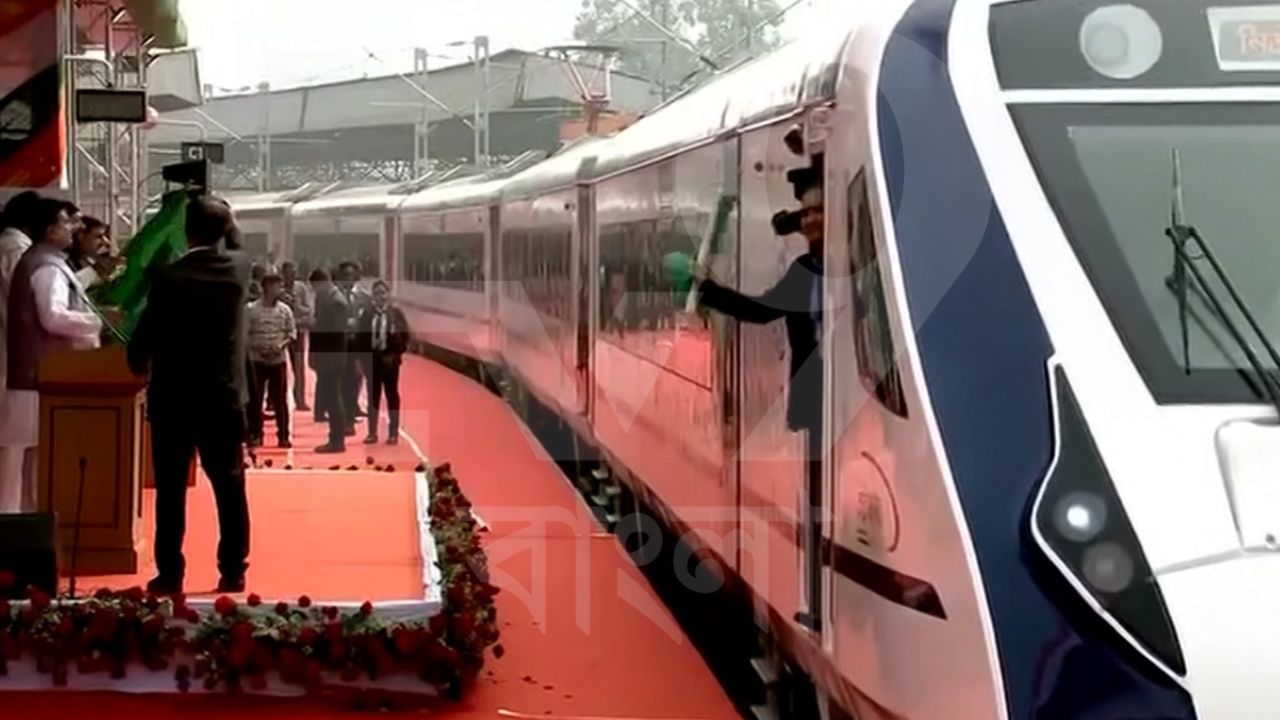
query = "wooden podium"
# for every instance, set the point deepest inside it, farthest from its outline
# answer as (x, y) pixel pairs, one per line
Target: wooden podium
(91, 413)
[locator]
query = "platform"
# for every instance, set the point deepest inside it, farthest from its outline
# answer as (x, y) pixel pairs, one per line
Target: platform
(584, 634)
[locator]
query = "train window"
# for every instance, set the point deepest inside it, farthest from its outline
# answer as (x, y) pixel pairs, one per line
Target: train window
(329, 250)
(452, 261)
(872, 334)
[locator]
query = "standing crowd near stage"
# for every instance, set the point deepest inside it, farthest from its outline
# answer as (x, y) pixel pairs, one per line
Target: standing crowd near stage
(219, 338)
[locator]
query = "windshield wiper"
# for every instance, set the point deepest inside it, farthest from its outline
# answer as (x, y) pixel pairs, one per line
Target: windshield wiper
(1185, 269)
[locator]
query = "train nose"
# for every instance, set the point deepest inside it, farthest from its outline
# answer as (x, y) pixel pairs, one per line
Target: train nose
(1227, 617)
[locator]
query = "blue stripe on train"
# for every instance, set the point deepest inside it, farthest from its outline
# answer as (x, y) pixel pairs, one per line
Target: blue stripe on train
(984, 349)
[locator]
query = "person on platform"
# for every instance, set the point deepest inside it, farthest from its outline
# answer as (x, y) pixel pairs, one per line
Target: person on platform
(191, 341)
(271, 333)
(383, 334)
(356, 368)
(300, 299)
(13, 244)
(329, 350)
(92, 256)
(47, 312)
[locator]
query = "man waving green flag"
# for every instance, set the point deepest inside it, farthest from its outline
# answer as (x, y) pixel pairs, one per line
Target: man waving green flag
(158, 243)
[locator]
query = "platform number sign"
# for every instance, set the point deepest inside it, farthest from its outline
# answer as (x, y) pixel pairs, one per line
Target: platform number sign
(213, 152)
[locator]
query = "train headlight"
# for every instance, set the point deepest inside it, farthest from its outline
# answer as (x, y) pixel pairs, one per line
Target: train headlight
(1080, 516)
(1081, 526)
(1121, 41)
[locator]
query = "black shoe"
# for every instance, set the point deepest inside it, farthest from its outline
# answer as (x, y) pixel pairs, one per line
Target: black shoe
(360, 413)
(161, 585)
(231, 584)
(302, 407)
(371, 439)
(284, 444)
(331, 449)
(393, 440)
(351, 431)
(254, 442)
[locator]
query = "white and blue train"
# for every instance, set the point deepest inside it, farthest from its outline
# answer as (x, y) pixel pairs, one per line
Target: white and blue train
(1051, 487)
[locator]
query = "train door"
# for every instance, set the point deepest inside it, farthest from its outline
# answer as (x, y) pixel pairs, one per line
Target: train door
(583, 283)
(492, 276)
(772, 469)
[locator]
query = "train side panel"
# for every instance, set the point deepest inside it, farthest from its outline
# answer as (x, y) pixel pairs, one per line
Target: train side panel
(661, 375)
(442, 287)
(535, 299)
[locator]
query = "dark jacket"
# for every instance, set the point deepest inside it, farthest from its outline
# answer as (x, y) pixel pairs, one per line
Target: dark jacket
(330, 333)
(792, 300)
(397, 334)
(191, 336)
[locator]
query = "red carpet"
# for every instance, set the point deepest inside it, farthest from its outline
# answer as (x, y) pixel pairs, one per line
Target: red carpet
(585, 637)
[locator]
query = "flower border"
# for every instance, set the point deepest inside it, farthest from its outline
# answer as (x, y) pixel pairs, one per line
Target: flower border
(237, 646)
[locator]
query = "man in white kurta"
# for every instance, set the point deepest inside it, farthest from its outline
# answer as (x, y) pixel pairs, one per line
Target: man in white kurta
(61, 311)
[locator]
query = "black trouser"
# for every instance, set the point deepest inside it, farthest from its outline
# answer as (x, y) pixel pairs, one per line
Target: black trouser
(813, 481)
(218, 435)
(384, 377)
(298, 363)
(351, 377)
(272, 378)
(330, 401)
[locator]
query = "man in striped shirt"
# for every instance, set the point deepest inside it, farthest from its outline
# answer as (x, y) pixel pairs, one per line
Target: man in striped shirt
(271, 331)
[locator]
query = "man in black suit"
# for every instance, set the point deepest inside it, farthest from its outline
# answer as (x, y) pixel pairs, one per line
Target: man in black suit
(191, 339)
(383, 338)
(347, 278)
(329, 346)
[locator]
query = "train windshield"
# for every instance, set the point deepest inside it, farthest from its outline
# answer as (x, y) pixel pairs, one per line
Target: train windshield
(1108, 172)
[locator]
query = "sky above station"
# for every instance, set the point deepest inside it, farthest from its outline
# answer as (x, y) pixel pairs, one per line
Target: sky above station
(289, 43)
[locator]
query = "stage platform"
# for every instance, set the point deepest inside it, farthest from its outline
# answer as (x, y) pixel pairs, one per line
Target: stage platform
(584, 634)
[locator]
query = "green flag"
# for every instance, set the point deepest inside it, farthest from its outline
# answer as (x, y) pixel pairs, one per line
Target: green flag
(159, 242)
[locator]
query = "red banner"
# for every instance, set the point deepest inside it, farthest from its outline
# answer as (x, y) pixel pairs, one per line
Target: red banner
(32, 125)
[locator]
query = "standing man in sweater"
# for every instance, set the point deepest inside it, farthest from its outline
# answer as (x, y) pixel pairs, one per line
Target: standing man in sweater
(271, 334)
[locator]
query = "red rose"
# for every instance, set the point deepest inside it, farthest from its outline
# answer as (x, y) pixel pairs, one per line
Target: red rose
(39, 600)
(254, 600)
(7, 580)
(390, 468)
(103, 594)
(369, 460)
(330, 612)
(366, 609)
(238, 656)
(282, 608)
(304, 602)
(66, 628)
(224, 605)
(268, 462)
(134, 594)
(405, 640)
(191, 616)
(241, 632)
(499, 651)
(307, 637)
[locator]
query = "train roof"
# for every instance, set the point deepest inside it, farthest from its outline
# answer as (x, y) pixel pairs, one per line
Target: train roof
(367, 200)
(775, 85)
(474, 191)
(259, 205)
(558, 171)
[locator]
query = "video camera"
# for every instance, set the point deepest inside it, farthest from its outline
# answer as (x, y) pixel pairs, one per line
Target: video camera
(803, 179)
